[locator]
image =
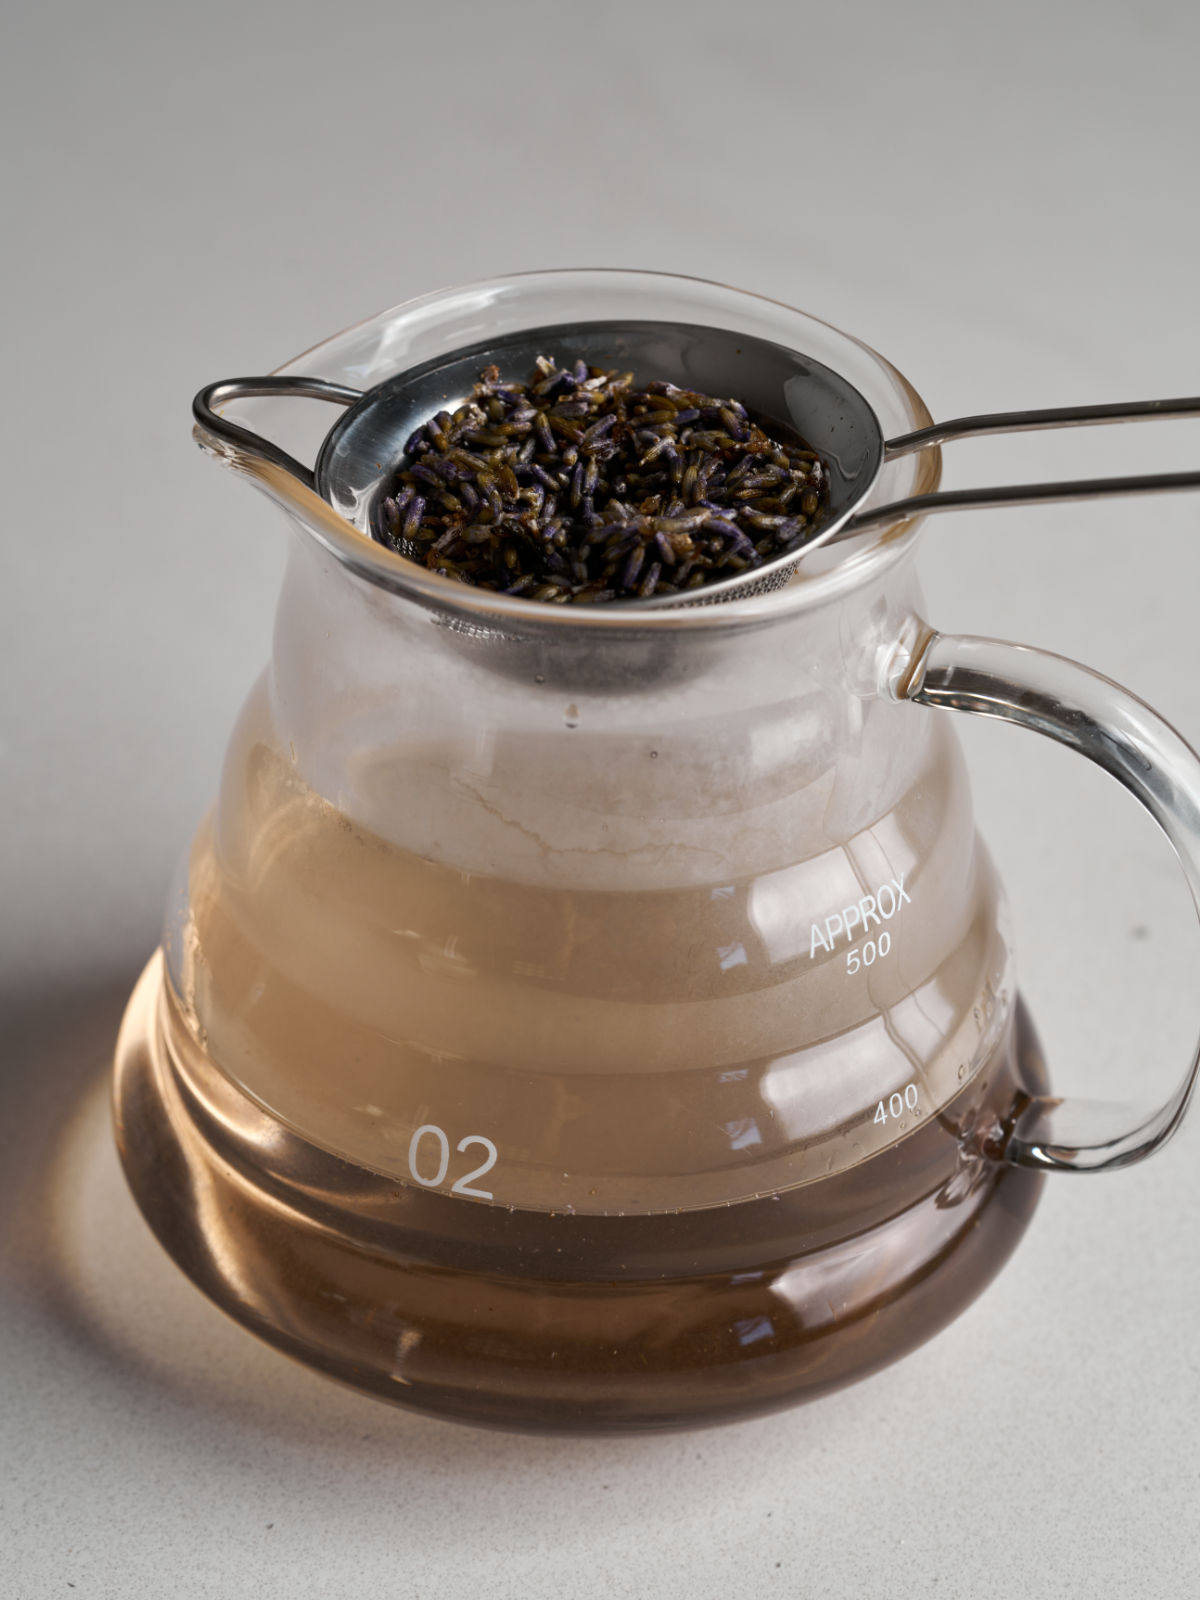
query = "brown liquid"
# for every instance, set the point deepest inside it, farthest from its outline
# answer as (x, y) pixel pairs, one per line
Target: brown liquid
(620, 1050)
(545, 1321)
(727, 1172)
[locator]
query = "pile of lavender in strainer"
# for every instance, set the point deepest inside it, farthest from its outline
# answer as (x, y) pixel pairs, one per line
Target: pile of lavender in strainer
(579, 487)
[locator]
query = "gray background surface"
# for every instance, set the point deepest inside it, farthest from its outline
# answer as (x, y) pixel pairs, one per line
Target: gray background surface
(1004, 203)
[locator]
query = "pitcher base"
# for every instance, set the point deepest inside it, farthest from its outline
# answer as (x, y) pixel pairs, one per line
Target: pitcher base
(548, 1322)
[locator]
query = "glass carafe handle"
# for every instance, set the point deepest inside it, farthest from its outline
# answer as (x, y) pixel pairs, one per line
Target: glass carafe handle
(1111, 727)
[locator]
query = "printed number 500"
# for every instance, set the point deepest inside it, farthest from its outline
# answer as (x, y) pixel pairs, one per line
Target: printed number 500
(441, 1155)
(874, 950)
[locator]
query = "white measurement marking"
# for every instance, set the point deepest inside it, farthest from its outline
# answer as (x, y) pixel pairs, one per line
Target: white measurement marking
(873, 910)
(874, 950)
(897, 1104)
(414, 1146)
(461, 1187)
(442, 1146)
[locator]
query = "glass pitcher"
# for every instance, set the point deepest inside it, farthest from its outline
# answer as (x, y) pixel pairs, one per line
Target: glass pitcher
(592, 1019)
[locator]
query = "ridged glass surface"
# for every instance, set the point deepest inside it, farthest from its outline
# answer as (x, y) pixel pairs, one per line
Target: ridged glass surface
(589, 1022)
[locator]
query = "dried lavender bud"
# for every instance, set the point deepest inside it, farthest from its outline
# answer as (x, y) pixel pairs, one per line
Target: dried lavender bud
(578, 487)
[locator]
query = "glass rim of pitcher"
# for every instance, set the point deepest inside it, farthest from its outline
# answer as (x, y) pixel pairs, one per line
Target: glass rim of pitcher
(365, 354)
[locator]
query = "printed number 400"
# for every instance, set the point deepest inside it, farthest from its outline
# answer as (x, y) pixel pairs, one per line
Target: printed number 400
(441, 1143)
(897, 1104)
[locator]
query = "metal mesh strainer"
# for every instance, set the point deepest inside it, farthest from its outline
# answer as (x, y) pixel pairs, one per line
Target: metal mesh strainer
(779, 386)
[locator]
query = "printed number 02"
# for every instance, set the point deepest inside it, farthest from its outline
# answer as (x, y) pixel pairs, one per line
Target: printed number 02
(874, 950)
(897, 1104)
(461, 1185)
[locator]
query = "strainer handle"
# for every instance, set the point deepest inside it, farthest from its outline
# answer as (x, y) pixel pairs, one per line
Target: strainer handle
(993, 422)
(204, 409)
(1096, 717)
(1029, 494)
